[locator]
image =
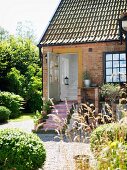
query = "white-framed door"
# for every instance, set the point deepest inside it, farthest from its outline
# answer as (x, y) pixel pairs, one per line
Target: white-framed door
(59, 67)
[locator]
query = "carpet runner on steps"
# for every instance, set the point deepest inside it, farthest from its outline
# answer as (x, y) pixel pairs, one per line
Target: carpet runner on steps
(57, 116)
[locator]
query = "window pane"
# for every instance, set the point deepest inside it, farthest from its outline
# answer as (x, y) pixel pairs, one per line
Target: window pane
(123, 78)
(123, 56)
(115, 71)
(115, 63)
(123, 70)
(108, 78)
(115, 56)
(116, 78)
(108, 71)
(108, 57)
(108, 64)
(122, 63)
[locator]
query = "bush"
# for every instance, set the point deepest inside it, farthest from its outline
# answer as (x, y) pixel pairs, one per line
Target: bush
(4, 114)
(104, 134)
(13, 102)
(47, 106)
(20, 150)
(34, 102)
(113, 156)
(110, 91)
(16, 81)
(33, 95)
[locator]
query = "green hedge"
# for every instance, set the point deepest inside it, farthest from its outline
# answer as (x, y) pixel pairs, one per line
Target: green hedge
(13, 102)
(20, 150)
(4, 114)
(104, 134)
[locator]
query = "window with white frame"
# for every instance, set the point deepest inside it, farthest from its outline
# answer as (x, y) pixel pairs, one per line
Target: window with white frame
(115, 67)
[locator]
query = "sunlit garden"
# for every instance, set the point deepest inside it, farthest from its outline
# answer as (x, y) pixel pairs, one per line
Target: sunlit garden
(83, 140)
(63, 87)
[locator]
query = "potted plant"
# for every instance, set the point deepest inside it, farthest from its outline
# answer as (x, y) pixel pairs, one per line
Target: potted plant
(86, 78)
(111, 93)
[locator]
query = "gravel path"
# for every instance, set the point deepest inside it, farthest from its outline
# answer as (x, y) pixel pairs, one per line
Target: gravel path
(26, 125)
(59, 154)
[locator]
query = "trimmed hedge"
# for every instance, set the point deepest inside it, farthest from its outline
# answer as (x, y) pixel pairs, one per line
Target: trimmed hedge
(13, 102)
(20, 150)
(104, 134)
(4, 114)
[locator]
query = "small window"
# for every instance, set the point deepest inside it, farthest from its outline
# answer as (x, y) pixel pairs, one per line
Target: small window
(115, 67)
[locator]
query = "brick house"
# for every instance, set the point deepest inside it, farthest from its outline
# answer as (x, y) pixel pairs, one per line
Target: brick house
(83, 35)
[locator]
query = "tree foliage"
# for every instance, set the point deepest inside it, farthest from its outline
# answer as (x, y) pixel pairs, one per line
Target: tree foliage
(16, 81)
(20, 70)
(3, 34)
(25, 30)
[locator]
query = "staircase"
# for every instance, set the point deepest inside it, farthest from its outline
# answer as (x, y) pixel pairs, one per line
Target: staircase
(57, 116)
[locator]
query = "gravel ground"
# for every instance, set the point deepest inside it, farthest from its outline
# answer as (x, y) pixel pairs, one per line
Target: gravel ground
(59, 154)
(26, 125)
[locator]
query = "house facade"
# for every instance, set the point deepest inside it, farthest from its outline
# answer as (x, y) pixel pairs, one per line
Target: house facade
(83, 35)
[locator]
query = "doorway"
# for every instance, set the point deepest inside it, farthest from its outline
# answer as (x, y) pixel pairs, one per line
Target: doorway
(60, 67)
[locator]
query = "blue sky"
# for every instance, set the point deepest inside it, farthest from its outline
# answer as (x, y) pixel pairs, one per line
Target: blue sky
(39, 12)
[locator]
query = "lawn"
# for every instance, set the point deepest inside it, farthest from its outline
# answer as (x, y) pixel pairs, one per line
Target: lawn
(24, 116)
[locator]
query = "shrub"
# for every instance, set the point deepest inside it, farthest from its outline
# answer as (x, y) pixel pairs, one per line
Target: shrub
(38, 116)
(20, 150)
(16, 81)
(110, 91)
(113, 156)
(34, 102)
(105, 133)
(13, 102)
(47, 106)
(4, 114)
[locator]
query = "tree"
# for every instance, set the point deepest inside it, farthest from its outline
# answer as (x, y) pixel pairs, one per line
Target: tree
(25, 30)
(3, 34)
(16, 81)
(20, 70)
(33, 92)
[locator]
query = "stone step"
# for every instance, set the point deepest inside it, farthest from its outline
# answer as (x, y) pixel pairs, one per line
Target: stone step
(59, 110)
(59, 116)
(63, 106)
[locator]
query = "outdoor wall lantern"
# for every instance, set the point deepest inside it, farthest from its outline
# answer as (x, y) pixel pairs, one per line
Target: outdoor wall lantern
(66, 80)
(123, 27)
(123, 30)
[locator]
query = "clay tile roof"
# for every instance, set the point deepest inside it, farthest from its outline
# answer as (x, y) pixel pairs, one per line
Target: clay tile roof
(83, 21)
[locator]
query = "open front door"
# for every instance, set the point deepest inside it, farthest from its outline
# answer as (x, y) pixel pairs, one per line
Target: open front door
(60, 67)
(53, 76)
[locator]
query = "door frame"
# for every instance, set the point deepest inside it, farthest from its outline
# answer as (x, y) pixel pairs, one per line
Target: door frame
(77, 51)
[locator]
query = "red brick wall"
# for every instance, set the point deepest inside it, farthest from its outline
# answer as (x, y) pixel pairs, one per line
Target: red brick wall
(92, 55)
(93, 60)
